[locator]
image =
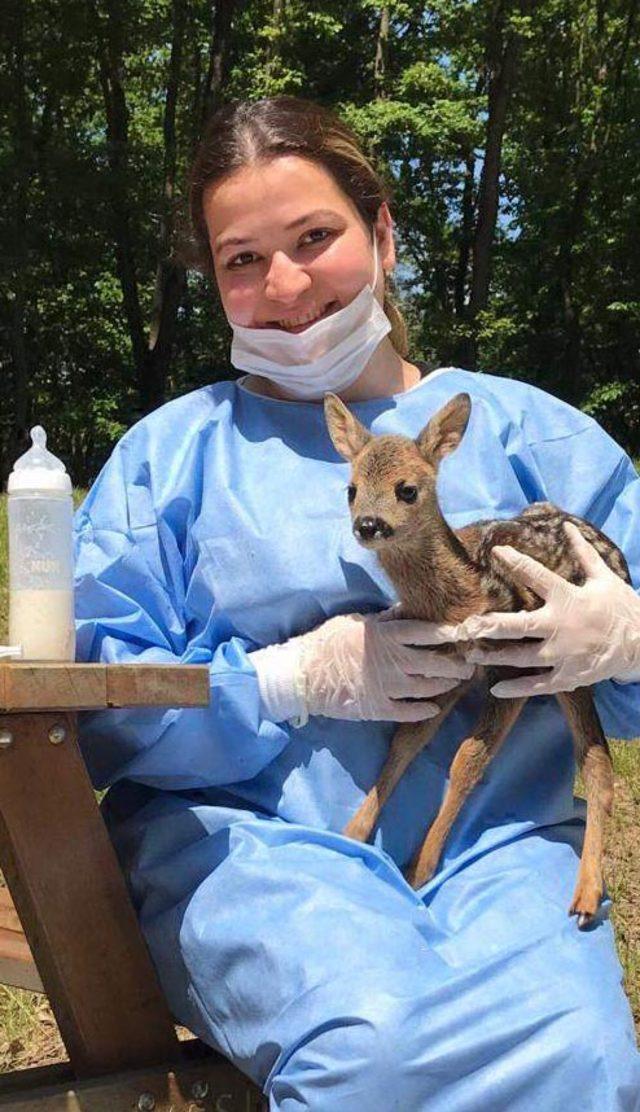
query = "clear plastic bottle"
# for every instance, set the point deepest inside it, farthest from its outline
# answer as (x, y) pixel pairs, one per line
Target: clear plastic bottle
(41, 601)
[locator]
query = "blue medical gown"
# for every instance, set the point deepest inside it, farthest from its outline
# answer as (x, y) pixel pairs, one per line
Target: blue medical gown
(220, 525)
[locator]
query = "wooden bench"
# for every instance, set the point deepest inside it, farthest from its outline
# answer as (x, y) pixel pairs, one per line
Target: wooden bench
(67, 926)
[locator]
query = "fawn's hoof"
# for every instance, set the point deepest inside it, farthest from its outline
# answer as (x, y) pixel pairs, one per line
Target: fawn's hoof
(584, 918)
(585, 903)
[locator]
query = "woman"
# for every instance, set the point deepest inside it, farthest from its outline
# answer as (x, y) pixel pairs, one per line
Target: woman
(218, 533)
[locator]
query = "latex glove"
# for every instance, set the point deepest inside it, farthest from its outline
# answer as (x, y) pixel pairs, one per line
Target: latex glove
(587, 633)
(358, 666)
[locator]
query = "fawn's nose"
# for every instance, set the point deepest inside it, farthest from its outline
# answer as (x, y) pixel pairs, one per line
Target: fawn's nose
(366, 528)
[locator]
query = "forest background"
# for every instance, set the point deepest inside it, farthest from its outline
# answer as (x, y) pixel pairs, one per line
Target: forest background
(508, 133)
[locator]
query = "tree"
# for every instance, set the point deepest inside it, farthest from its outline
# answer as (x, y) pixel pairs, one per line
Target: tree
(507, 132)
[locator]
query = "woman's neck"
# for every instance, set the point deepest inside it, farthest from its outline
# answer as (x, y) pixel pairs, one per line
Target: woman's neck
(385, 374)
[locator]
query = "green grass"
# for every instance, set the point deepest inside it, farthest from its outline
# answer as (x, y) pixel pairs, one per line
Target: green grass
(28, 1030)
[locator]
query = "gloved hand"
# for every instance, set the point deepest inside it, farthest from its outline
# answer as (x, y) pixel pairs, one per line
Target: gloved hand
(358, 666)
(588, 633)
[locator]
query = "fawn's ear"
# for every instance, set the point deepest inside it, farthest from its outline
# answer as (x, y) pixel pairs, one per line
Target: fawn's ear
(348, 435)
(445, 430)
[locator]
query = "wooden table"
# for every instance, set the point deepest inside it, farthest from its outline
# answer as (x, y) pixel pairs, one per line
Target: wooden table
(73, 903)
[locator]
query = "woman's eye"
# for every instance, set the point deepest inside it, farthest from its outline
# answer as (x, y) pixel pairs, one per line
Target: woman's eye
(231, 265)
(351, 493)
(405, 492)
(236, 262)
(324, 232)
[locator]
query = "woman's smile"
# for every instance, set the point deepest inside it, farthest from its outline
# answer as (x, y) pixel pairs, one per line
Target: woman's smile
(300, 322)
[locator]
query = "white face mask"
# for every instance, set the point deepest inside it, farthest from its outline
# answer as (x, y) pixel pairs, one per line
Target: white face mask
(328, 355)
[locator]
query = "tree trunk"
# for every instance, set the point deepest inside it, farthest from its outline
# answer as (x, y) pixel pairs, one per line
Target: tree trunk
(169, 275)
(501, 64)
(382, 48)
(219, 56)
(110, 50)
(466, 238)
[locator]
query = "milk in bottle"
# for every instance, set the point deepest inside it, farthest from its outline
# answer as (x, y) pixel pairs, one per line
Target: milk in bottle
(40, 506)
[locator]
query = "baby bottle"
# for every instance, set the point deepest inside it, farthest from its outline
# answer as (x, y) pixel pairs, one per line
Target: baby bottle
(41, 610)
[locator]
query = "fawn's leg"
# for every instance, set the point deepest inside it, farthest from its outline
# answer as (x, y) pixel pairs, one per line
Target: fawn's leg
(408, 740)
(594, 761)
(466, 771)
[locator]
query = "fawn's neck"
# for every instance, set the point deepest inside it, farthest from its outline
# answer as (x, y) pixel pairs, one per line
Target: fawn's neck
(435, 578)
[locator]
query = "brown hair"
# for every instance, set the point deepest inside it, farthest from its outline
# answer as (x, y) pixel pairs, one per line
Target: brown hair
(245, 131)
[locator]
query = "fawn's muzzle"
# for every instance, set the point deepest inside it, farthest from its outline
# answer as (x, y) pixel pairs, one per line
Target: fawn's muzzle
(369, 528)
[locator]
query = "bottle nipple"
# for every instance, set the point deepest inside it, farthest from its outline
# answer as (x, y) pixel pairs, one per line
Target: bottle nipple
(38, 469)
(38, 454)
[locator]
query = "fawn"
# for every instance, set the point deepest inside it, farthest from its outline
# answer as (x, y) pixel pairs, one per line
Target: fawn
(445, 575)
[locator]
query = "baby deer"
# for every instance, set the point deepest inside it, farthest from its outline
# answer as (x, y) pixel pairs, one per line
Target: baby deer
(445, 575)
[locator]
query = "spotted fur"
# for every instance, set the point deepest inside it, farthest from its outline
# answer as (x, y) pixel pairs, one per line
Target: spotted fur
(538, 532)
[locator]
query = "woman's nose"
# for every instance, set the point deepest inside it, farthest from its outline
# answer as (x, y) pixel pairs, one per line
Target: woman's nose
(285, 281)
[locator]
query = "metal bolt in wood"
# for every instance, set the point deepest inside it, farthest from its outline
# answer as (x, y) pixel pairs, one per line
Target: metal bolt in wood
(200, 1090)
(57, 734)
(6, 739)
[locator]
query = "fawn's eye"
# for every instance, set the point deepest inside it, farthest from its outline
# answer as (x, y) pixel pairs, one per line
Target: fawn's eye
(351, 492)
(405, 492)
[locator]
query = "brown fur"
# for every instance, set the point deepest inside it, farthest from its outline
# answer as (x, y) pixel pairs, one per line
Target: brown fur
(445, 575)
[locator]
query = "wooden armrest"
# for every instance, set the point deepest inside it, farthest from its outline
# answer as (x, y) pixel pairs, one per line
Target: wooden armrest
(42, 686)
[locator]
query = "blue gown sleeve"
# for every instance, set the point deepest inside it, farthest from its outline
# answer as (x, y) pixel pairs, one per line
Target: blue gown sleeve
(132, 569)
(574, 463)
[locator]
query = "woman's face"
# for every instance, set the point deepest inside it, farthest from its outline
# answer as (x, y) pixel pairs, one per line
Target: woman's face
(305, 249)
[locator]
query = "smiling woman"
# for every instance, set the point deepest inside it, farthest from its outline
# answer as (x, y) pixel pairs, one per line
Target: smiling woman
(219, 533)
(288, 182)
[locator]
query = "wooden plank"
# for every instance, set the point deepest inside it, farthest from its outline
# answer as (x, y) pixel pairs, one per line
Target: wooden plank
(71, 897)
(59, 686)
(163, 685)
(209, 1085)
(54, 686)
